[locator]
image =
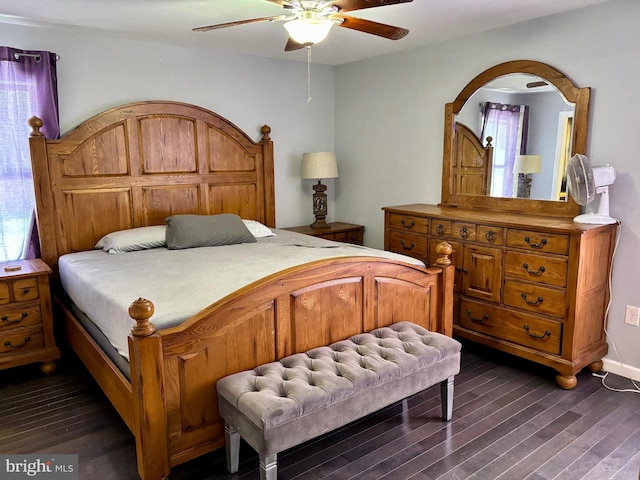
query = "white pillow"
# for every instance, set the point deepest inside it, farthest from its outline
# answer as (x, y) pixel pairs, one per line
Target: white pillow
(133, 239)
(257, 229)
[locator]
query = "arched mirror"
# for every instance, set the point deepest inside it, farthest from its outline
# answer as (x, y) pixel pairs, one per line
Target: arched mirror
(508, 136)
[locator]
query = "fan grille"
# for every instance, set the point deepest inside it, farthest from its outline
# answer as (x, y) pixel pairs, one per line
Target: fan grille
(580, 180)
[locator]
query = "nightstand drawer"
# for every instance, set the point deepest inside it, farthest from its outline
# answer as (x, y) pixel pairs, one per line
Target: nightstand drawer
(19, 316)
(22, 342)
(21, 290)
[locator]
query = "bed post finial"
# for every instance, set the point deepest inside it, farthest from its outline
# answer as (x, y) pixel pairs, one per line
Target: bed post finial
(444, 250)
(265, 130)
(141, 311)
(36, 124)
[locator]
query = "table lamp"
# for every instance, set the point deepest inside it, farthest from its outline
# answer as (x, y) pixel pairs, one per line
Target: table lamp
(319, 165)
(523, 166)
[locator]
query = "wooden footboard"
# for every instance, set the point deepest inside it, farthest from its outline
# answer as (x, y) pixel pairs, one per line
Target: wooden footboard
(173, 371)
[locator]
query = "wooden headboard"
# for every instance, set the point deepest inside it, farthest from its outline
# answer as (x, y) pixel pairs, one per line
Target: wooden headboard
(136, 164)
(471, 163)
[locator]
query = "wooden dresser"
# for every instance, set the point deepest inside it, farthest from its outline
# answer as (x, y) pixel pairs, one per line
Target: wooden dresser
(536, 287)
(26, 322)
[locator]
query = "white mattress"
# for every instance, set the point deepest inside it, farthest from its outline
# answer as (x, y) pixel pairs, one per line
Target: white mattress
(180, 283)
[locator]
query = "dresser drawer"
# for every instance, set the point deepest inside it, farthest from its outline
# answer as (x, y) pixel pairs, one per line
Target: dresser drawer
(21, 315)
(464, 231)
(521, 328)
(21, 342)
(535, 298)
(540, 242)
(536, 268)
(441, 228)
(490, 235)
(408, 244)
(20, 290)
(409, 223)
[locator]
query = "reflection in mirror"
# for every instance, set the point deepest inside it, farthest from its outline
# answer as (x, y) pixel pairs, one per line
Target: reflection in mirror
(529, 124)
(469, 178)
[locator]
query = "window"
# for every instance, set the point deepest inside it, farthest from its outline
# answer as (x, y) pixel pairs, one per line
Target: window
(507, 124)
(27, 87)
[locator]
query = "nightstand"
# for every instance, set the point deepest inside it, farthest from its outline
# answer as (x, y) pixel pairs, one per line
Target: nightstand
(26, 319)
(337, 231)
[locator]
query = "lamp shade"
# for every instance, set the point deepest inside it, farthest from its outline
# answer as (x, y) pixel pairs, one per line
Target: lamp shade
(319, 165)
(527, 164)
(308, 30)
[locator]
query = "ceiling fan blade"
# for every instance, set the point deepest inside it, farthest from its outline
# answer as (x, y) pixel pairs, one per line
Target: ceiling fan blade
(239, 22)
(292, 45)
(351, 5)
(374, 28)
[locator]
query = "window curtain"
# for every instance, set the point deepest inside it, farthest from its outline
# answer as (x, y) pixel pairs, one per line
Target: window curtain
(28, 87)
(508, 125)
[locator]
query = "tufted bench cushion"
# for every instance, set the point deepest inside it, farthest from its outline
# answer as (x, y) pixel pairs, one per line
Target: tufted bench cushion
(282, 404)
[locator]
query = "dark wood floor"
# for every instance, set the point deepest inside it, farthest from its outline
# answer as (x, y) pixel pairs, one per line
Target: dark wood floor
(510, 421)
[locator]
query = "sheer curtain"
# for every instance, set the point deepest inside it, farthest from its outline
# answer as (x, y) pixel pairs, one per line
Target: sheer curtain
(28, 86)
(508, 125)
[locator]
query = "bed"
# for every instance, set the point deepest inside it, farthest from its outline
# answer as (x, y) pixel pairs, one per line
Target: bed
(135, 165)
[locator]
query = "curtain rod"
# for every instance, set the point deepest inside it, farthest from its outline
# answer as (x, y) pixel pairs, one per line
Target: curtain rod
(37, 56)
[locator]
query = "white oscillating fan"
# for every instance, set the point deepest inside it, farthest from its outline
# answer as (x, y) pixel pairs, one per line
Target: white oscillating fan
(585, 182)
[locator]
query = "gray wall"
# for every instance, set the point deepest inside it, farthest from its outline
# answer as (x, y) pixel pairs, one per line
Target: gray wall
(389, 125)
(97, 72)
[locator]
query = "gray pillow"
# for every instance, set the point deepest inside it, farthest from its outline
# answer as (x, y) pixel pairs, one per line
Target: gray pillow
(188, 231)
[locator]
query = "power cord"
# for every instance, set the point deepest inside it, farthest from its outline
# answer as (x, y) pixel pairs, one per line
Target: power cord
(603, 374)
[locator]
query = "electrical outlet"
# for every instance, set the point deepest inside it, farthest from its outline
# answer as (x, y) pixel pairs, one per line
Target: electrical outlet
(632, 316)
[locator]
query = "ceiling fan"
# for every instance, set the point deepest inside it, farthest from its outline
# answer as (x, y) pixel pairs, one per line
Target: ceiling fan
(309, 21)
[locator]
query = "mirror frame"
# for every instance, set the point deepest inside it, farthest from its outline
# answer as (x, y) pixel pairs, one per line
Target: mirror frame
(572, 93)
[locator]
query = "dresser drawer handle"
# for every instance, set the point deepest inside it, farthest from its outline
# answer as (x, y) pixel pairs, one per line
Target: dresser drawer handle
(407, 225)
(481, 321)
(540, 270)
(533, 335)
(440, 229)
(530, 302)
(23, 315)
(541, 244)
(464, 232)
(26, 340)
(490, 236)
(409, 247)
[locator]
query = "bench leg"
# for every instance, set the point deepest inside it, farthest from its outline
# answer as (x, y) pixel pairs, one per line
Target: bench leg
(232, 448)
(446, 398)
(269, 467)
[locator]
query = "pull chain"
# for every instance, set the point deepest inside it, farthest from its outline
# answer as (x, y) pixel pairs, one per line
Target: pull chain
(308, 73)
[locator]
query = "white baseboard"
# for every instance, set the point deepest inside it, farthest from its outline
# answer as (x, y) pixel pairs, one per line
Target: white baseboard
(621, 369)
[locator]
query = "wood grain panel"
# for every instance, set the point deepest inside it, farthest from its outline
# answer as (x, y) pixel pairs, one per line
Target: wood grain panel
(161, 201)
(238, 199)
(326, 313)
(91, 214)
(105, 153)
(168, 144)
(226, 154)
(400, 301)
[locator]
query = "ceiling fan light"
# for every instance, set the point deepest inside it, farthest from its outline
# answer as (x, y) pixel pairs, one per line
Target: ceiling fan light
(308, 31)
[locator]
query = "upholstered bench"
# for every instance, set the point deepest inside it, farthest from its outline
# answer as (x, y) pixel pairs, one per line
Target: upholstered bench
(282, 404)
